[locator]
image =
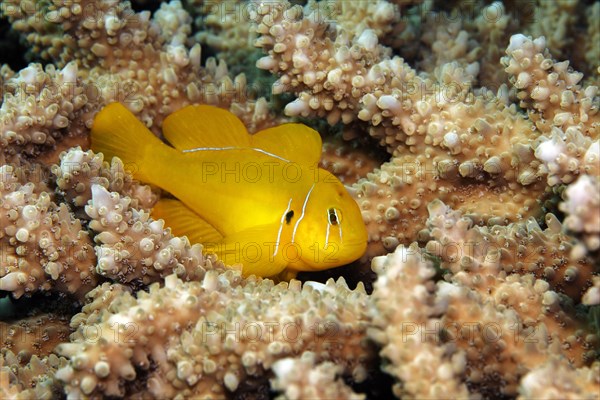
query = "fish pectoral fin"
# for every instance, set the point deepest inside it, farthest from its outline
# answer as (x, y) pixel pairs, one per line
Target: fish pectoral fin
(255, 248)
(185, 222)
(294, 142)
(204, 126)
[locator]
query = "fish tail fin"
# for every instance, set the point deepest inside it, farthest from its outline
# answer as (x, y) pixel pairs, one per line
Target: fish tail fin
(116, 132)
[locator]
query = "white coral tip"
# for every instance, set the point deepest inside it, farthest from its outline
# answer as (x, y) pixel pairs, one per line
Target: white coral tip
(516, 42)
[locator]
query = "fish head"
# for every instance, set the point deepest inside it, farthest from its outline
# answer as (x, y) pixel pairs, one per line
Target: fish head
(329, 232)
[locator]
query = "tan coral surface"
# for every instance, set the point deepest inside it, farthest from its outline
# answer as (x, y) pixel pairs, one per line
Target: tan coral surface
(468, 133)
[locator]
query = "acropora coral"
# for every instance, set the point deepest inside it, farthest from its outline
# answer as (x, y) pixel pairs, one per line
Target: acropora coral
(467, 132)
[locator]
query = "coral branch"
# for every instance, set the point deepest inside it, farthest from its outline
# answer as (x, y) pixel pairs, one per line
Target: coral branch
(43, 244)
(522, 248)
(405, 303)
(485, 329)
(194, 339)
(34, 380)
(132, 246)
(300, 378)
(79, 170)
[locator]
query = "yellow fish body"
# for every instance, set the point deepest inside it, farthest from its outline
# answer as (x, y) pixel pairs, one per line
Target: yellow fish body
(257, 200)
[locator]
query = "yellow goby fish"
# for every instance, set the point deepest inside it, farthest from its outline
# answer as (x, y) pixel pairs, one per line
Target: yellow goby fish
(257, 200)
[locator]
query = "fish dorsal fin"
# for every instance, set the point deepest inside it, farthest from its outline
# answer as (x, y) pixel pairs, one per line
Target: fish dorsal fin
(294, 142)
(185, 222)
(204, 126)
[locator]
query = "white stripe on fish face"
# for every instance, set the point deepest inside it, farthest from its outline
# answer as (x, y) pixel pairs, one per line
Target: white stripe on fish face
(337, 218)
(327, 236)
(303, 211)
(281, 227)
(339, 225)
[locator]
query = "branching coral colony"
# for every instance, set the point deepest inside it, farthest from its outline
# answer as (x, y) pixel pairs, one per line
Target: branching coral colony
(484, 222)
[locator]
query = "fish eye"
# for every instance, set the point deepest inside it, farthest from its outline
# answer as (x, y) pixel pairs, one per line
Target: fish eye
(288, 216)
(334, 216)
